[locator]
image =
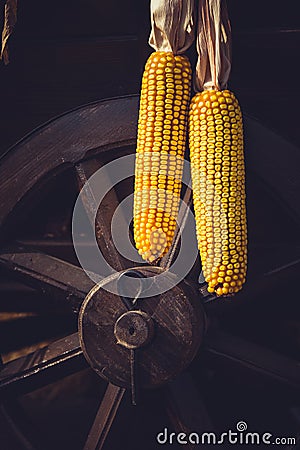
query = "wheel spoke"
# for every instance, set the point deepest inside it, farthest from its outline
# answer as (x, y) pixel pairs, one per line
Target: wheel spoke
(185, 407)
(103, 220)
(27, 330)
(167, 260)
(242, 360)
(104, 214)
(60, 358)
(270, 287)
(11, 433)
(104, 417)
(64, 282)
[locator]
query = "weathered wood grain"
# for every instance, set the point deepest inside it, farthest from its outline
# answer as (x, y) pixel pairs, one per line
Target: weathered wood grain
(63, 142)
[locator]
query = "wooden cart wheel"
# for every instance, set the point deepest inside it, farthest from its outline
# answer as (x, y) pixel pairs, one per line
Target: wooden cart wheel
(78, 143)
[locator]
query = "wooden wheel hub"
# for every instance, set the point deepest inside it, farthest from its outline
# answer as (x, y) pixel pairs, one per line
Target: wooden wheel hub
(134, 329)
(164, 330)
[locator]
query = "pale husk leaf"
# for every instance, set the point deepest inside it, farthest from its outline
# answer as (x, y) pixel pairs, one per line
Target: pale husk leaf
(173, 24)
(213, 43)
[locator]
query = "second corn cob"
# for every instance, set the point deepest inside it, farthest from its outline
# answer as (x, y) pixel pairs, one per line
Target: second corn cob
(218, 177)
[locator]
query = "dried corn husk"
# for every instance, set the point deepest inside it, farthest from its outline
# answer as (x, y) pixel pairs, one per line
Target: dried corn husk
(213, 42)
(10, 18)
(173, 24)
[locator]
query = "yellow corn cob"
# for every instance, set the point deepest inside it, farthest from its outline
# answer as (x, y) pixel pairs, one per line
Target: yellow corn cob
(218, 178)
(160, 150)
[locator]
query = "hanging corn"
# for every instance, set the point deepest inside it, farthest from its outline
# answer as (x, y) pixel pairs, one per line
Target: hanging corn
(162, 127)
(217, 157)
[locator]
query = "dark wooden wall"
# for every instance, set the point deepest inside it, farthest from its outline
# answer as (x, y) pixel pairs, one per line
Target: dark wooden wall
(67, 53)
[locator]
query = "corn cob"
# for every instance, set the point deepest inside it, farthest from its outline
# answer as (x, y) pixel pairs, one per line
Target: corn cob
(160, 150)
(218, 178)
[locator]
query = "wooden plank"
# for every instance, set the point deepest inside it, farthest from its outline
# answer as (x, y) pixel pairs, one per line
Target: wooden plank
(264, 72)
(91, 68)
(90, 17)
(267, 38)
(76, 17)
(258, 68)
(63, 142)
(279, 173)
(261, 14)
(49, 77)
(275, 110)
(76, 53)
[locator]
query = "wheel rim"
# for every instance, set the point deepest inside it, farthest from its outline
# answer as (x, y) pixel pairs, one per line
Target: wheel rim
(123, 111)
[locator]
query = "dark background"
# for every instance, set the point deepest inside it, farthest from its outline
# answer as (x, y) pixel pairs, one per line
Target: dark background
(67, 53)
